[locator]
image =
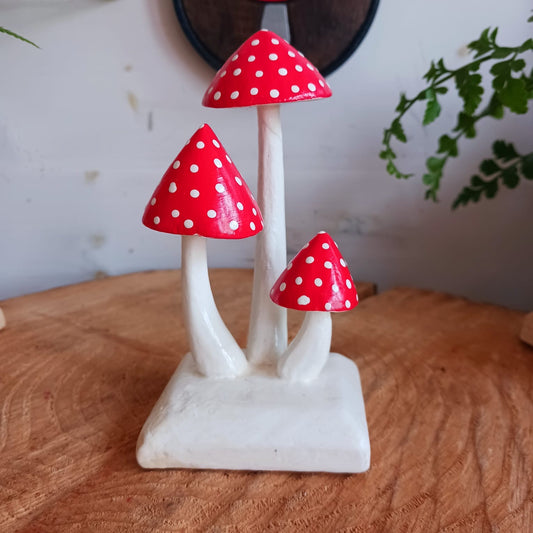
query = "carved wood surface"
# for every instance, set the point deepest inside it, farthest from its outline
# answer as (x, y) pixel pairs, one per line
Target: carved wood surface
(447, 383)
(323, 31)
(526, 333)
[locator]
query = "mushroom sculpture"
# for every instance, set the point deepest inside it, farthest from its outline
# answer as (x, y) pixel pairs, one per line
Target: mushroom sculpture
(202, 194)
(317, 281)
(265, 72)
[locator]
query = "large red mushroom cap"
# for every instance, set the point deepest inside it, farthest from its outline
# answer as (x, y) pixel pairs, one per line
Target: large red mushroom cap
(266, 69)
(317, 279)
(203, 193)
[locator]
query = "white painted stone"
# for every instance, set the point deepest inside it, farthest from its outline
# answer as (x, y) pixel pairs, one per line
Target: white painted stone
(259, 422)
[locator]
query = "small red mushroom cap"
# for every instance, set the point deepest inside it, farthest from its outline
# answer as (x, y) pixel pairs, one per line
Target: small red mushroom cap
(266, 69)
(317, 279)
(203, 193)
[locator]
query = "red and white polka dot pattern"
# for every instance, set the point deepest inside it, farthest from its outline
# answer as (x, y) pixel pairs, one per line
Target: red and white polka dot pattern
(203, 193)
(317, 279)
(266, 69)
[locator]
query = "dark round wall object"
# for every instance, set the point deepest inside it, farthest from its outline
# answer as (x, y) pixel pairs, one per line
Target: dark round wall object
(327, 32)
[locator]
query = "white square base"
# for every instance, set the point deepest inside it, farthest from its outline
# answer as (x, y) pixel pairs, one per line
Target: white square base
(259, 422)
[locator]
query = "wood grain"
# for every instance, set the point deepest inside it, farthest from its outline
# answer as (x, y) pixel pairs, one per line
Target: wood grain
(526, 333)
(325, 32)
(448, 389)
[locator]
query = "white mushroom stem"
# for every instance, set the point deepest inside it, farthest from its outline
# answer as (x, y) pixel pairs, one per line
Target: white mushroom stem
(267, 335)
(307, 354)
(214, 349)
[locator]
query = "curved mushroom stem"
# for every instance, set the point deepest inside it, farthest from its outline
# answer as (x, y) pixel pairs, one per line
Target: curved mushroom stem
(307, 354)
(267, 335)
(214, 349)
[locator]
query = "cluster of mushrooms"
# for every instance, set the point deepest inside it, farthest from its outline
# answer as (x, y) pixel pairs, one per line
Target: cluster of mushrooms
(203, 195)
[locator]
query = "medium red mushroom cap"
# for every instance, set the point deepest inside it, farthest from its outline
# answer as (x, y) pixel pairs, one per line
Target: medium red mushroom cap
(317, 279)
(266, 69)
(203, 193)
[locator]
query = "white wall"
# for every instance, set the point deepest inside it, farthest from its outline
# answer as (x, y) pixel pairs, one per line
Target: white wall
(78, 160)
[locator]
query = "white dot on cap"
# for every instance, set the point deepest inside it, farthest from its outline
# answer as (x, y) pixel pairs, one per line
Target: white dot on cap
(343, 262)
(274, 93)
(228, 158)
(318, 282)
(255, 42)
(298, 280)
(157, 220)
(235, 57)
(223, 73)
(289, 266)
(216, 144)
(211, 213)
(258, 73)
(304, 300)
(348, 284)
(328, 264)
(309, 259)
(217, 162)
(325, 246)
(328, 306)
(195, 193)
(356, 297)
(188, 223)
(295, 89)
(252, 226)
(322, 84)
(347, 303)
(234, 95)
(238, 180)
(176, 164)
(300, 53)
(237, 71)
(240, 207)
(274, 41)
(321, 232)
(254, 211)
(283, 286)
(200, 145)
(194, 169)
(220, 188)
(153, 201)
(291, 53)
(217, 95)
(254, 91)
(312, 86)
(310, 67)
(233, 224)
(298, 68)
(175, 213)
(335, 288)
(282, 71)
(272, 57)
(172, 187)
(251, 59)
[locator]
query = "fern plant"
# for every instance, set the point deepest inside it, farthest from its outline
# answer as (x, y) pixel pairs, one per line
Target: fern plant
(512, 88)
(17, 36)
